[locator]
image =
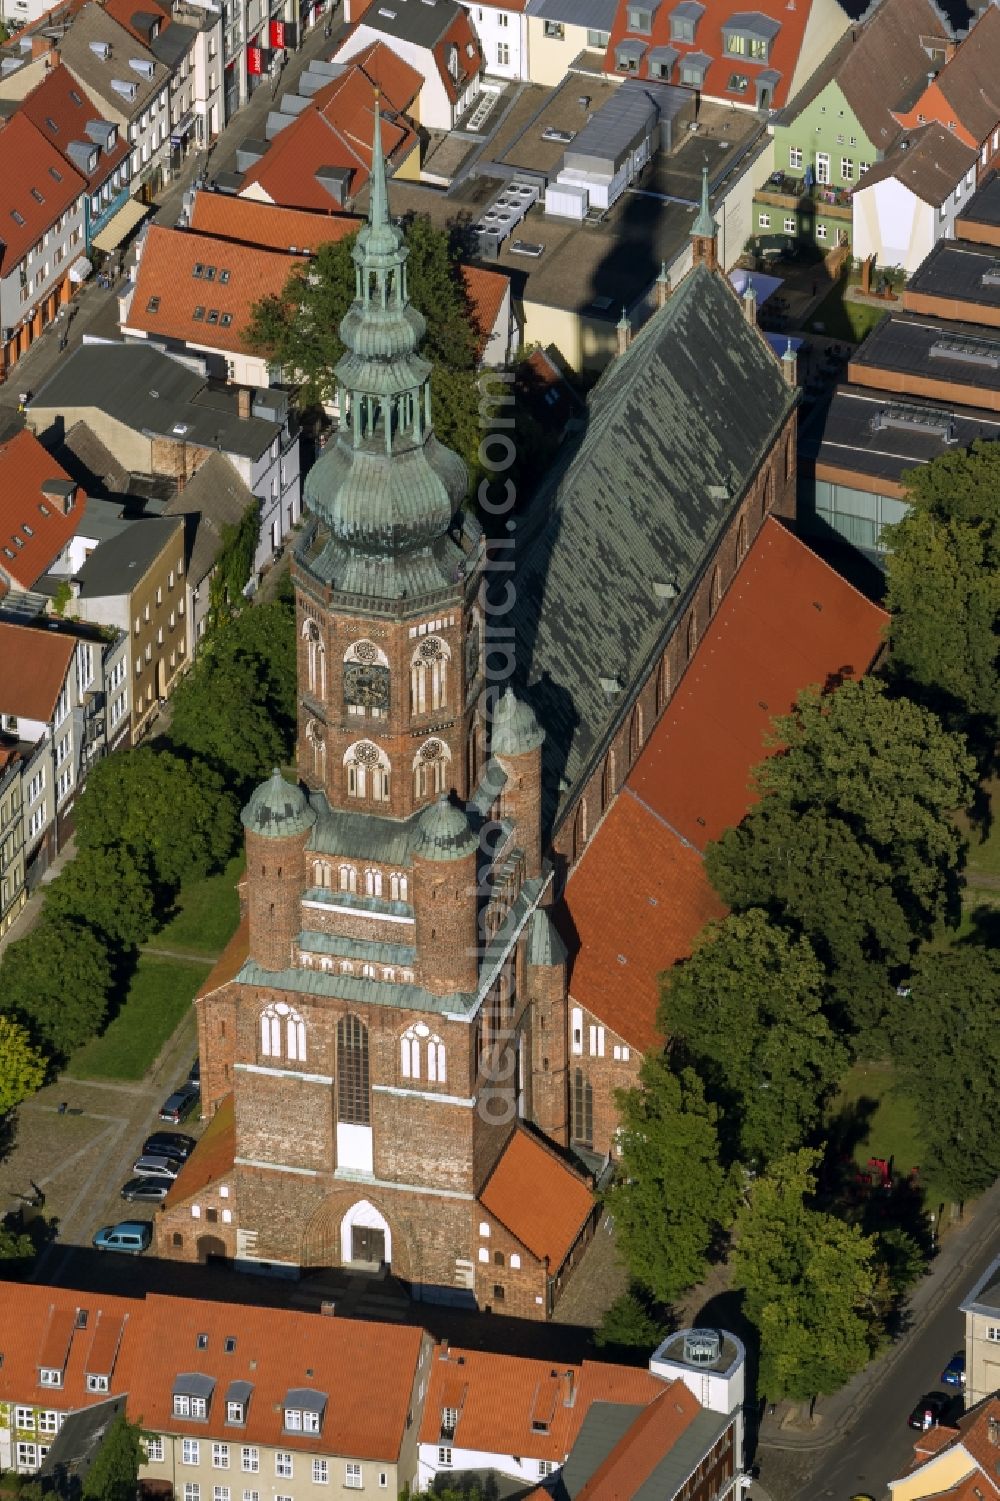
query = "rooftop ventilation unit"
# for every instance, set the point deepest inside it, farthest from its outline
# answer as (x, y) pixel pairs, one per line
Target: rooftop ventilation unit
(991, 277)
(967, 352)
(530, 248)
(915, 419)
(562, 136)
(504, 214)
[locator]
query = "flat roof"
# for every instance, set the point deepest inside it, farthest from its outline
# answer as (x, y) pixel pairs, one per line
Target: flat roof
(959, 269)
(883, 435)
(116, 566)
(597, 15)
(984, 205)
(933, 349)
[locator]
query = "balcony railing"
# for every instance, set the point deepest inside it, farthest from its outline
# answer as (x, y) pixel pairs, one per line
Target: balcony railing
(794, 192)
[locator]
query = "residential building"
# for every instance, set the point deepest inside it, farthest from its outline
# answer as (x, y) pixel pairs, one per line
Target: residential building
(272, 227)
(41, 507)
(982, 1336)
(129, 85)
(922, 384)
(559, 32)
(163, 419)
(134, 583)
(438, 41)
(754, 60)
(219, 1391)
(43, 236)
(502, 29)
(955, 1461)
(910, 200)
(960, 95)
(213, 502)
(192, 294)
(319, 152)
(93, 147)
(394, 1048)
(256, 38)
(187, 37)
(843, 120)
(13, 888)
(689, 784)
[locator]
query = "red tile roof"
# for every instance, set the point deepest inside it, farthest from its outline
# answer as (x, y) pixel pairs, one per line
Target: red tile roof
(56, 1339)
(33, 668)
(30, 165)
(53, 108)
(537, 1198)
(616, 969)
(708, 39)
(212, 1158)
(965, 95)
(485, 291)
(648, 1441)
(787, 621)
(397, 81)
(268, 224)
(34, 526)
(28, 1312)
(124, 12)
(335, 130)
(460, 35)
(168, 293)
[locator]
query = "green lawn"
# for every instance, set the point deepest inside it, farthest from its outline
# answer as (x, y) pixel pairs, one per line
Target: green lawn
(888, 1123)
(160, 994)
(208, 913)
(844, 319)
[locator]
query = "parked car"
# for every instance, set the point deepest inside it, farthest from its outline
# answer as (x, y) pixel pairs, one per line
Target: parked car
(168, 1144)
(149, 1190)
(178, 1106)
(194, 1077)
(131, 1236)
(954, 1372)
(157, 1167)
(929, 1410)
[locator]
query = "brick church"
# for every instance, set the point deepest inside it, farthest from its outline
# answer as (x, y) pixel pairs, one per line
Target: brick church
(385, 1047)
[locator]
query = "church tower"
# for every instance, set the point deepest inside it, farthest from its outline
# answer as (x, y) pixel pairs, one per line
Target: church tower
(379, 1041)
(386, 586)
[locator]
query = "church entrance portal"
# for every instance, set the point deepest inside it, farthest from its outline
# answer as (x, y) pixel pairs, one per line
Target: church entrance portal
(367, 1245)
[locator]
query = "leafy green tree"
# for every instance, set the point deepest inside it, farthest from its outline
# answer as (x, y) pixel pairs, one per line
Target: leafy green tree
(56, 980)
(947, 1048)
(114, 1474)
(943, 572)
(108, 890)
(852, 841)
(234, 565)
(14, 1246)
(672, 1196)
(300, 329)
(747, 1009)
(631, 1323)
(159, 813)
(808, 1282)
(235, 710)
(22, 1066)
(900, 1262)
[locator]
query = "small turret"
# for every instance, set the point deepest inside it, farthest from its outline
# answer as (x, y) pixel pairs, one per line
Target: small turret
(277, 820)
(704, 231)
(546, 979)
(445, 899)
(516, 741)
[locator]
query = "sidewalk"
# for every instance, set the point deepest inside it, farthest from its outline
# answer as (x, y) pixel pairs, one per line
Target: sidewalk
(835, 1415)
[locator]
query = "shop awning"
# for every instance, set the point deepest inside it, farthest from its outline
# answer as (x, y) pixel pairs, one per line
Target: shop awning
(118, 226)
(80, 270)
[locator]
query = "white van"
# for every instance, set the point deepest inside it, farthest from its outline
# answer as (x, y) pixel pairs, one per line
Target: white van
(131, 1236)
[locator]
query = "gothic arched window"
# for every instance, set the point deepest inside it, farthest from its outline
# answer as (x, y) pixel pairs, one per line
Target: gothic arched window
(409, 1060)
(692, 635)
(715, 596)
(436, 1063)
(353, 1101)
(635, 733)
(608, 788)
(315, 659)
(430, 768)
(741, 539)
(373, 883)
(366, 680)
(322, 873)
(429, 676)
(663, 683)
(282, 1033)
(580, 830)
(348, 878)
(368, 771)
(316, 737)
(398, 887)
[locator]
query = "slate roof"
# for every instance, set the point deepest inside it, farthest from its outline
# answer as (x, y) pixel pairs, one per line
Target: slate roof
(929, 161)
(969, 82)
(422, 25)
(677, 428)
(887, 67)
(98, 74)
(119, 564)
(658, 1453)
(94, 460)
(597, 15)
(215, 497)
(538, 1198)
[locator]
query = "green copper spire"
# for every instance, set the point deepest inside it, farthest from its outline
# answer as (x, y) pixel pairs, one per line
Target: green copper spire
(704, 227)
(385, 489)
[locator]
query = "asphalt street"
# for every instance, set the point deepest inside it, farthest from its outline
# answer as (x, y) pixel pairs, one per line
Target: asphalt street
(880, 1445)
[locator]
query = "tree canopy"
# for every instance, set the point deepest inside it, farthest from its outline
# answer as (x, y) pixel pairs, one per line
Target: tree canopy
(235, 710)
(22, 1066)
(56, 981)
(159, 813)
(943, 570)
(852, 842)
(108, 890)
(300, 329)
(808, 1281)
(672, 1196)
(114, 1474)
(947, 1048)
(747, 1010)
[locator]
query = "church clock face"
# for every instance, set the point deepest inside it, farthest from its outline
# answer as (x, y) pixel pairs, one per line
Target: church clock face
(366, 685)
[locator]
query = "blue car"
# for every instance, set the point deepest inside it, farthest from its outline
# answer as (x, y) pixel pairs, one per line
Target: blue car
(954, 1372)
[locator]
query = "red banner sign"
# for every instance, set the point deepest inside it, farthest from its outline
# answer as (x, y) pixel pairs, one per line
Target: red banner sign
(255, 59)
(277, 33)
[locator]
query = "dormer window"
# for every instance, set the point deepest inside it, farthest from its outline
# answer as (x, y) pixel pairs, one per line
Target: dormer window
(449, 1421)
(98, 1384)
(192, 1395)
(189, 1407)
(304, 1410)
(235, 1412)
(453, 62)
(684, 20)
(640, 19)
(48, 1377)
(628, 56)
(749, 35)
